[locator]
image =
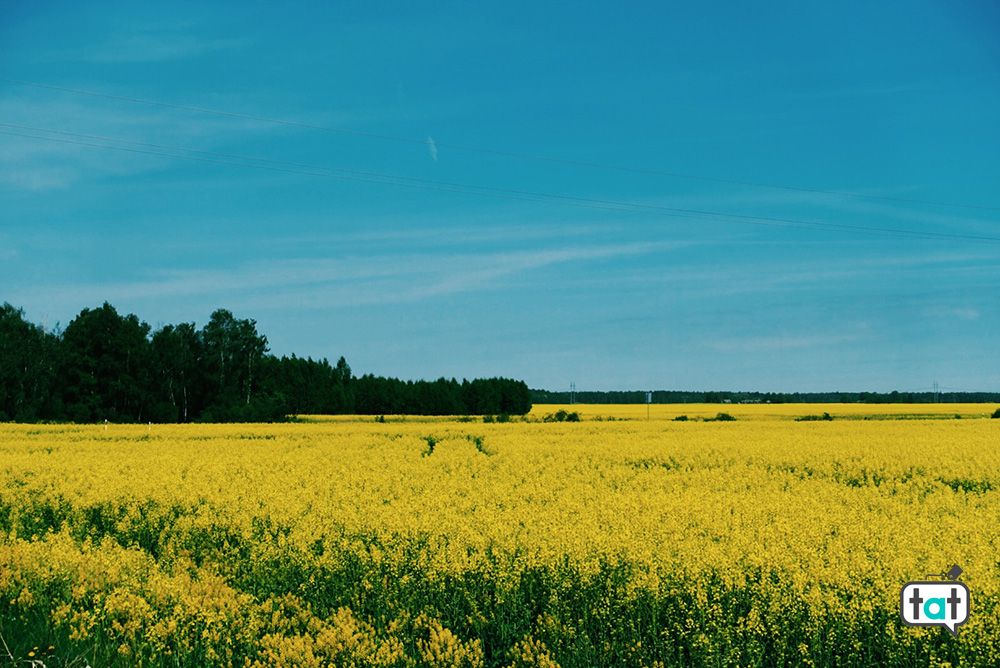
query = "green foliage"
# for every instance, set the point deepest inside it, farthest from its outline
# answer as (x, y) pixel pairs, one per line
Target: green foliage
(681, 418)
(815, 418)
(375, 395)
(28, 372)
(721, 417)
(480, 444)
(106, 366)
(562, 416)
(996, 414)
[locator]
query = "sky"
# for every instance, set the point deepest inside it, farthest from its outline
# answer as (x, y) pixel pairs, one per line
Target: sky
(780, 196)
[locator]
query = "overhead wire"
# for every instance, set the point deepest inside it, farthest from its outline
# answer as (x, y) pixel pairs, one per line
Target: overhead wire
(231, 159)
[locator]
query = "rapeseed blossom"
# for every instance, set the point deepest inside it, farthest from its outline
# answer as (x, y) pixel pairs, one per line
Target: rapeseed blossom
(603, 542)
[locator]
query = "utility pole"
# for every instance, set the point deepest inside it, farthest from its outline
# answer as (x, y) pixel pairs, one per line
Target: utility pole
(572, 393)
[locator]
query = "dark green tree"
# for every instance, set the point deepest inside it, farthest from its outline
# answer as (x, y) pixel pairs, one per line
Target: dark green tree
(105, 366)
(108, 366)
(177, 355)
(232, 356)
(306, 386)
(27, 367)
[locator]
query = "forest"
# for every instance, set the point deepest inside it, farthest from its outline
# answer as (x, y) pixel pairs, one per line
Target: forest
(724, 397)
(108, 366)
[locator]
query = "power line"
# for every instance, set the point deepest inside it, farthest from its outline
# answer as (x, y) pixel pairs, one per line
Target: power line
(509, 154)
(476, 190)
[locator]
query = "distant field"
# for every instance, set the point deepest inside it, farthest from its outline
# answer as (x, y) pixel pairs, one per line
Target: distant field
(702, 411)
(769, 411)
(415, 542)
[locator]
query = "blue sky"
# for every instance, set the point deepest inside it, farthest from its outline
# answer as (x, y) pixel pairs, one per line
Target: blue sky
(651, 249)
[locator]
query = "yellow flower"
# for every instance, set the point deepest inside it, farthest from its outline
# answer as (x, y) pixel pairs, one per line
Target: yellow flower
(247, 543)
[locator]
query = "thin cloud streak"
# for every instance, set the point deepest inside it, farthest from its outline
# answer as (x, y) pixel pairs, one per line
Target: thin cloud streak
(332, 283)
(154, 47)
(952, 313)
(782, 342)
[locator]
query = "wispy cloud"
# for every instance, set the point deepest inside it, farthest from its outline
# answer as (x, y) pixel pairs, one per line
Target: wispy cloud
(484, 272)
(782, 342)
(952, 312)
(149, 47)
(353, 281)
(756, 271)
(872, 213)
(40, 160)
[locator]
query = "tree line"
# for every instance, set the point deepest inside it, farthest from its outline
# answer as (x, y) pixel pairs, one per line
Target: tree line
(719, 397)
(108, 366)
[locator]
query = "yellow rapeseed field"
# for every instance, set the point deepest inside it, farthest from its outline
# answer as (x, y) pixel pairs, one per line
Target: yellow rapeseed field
(760, 541)
(769, 411)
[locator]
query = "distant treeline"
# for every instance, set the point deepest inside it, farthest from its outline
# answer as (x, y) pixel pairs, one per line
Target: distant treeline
(682, 397)
(107, 366)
